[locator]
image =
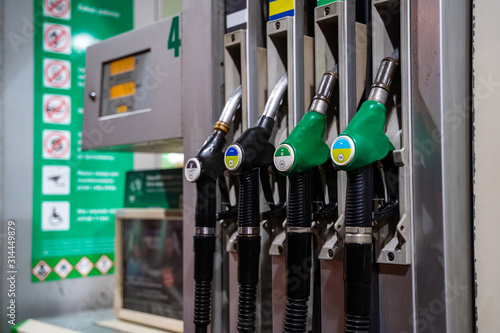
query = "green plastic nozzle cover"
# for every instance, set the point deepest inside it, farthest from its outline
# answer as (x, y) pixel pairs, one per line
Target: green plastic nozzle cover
(366, 129)
(307, 142)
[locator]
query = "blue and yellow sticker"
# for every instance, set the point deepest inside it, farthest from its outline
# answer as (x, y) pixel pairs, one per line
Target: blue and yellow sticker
(232, 157)
(281, 8)
(343, 150)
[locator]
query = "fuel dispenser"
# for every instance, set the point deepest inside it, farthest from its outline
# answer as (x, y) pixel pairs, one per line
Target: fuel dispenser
(395, 224)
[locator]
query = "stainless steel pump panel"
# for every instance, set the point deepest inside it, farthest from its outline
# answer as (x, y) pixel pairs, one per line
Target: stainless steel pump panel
(132, 91)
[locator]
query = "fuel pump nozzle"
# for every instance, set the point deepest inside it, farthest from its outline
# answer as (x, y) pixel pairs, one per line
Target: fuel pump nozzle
(204, 170)
(303, 150)
(361, 144)
(249, 153)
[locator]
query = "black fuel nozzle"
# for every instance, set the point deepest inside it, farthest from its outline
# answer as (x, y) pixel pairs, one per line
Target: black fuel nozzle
(250, 153)
(356, 150)
(204, 170)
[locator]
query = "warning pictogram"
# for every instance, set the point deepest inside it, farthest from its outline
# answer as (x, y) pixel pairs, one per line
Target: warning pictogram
(63, 268)
(56, 109)
(56, 73)
(57, 8)
(55, 215)
(41, 270)
(84, 266)
(104, 264)
(56, 179)
(56, 145)
(56, 38)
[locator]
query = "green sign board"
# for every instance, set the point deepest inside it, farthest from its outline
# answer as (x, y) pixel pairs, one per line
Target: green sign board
(154, 188)
(75, 193)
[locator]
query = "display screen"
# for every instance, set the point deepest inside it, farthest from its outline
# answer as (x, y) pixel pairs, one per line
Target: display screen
(125, 85)
(152, 267)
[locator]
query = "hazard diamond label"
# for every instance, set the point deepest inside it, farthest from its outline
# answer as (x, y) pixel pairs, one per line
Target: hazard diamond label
(104, 264)
(41, 270)
(56, 109)
(56, 73)
(56, 38)
(84, 266)
(57, 8)
(56, 145)
(63, 268)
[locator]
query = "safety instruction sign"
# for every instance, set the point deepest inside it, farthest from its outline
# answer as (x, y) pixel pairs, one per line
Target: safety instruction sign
(56, 145)
(56, 38)
(56, 180)
(75, 193)
(56, 73)
(55, 215)
(56, 109)
(60, 9)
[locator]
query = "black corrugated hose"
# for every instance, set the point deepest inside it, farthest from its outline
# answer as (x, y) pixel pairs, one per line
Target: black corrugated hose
(358, 256)
(298, 252)
(248, 250)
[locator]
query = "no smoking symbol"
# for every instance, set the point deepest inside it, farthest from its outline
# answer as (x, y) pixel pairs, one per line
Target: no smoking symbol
(56, 74)
(57, 8)
(56, 109)
(56, 38)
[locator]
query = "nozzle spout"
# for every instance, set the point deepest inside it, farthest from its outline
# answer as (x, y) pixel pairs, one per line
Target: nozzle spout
(321, 100)
(229, 110)
(274, 100)
(381, 87)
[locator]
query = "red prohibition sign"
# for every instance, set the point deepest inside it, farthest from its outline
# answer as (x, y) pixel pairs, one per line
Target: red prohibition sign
(55, 145)
(52, 7)
(51, 78)
(62, 105)
(52, 43)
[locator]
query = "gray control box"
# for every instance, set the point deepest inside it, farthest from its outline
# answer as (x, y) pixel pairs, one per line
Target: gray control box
(132, 94)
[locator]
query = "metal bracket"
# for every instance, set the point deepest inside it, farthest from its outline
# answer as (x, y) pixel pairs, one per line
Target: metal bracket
(277, 247)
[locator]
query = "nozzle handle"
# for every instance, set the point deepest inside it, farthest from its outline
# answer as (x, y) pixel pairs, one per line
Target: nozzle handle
(206, 205)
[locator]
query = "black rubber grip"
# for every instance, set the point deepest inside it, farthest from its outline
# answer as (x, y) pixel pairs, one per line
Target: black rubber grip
(248, 278)
(299, 200)
(359, 197)
(298, 283)
(248, 200)
(204, 248)
(298, 252)
(357, 286)
(206, 203)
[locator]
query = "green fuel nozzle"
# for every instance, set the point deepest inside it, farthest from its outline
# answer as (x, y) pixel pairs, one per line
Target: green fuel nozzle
(361, 144)
(304, 148)
(364, 141)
